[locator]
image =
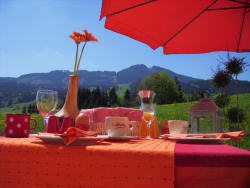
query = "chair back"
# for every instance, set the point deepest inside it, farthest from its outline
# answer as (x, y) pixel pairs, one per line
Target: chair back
(97, 118)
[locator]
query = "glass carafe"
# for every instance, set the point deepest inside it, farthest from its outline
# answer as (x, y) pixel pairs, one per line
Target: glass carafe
(149, 128)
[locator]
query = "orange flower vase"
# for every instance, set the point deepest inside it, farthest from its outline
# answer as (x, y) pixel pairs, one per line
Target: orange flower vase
(70, 107)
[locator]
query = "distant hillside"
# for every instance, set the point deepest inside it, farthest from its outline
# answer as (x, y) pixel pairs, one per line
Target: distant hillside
(25, 86)
(137, 72)
(7, 79)
(103, 79)
(59, 79)
(12, 92)
(206, 85)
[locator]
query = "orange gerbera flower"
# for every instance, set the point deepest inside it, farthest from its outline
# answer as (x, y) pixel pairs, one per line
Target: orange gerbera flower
(78, 37)
(89, 36)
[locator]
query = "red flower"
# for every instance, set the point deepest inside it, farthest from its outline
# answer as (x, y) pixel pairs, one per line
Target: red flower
(78, 37)
(89, 36)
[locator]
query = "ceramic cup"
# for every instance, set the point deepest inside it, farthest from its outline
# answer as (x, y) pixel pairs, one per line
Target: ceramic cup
(178, 126)
(18, 125)
(118, 126)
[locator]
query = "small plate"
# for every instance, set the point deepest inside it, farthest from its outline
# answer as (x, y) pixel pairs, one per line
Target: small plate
(194, 139)
(53, 139)
(121, 138)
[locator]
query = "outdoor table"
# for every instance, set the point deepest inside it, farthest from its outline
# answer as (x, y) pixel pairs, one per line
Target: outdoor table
(28, 162)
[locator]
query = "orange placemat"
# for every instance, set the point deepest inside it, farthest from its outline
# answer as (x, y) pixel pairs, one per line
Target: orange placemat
(27, 162)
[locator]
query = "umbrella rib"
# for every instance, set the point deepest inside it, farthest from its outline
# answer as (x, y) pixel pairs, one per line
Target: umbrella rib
(118, 12)
(242, 25)
(245, 3)
(228, 8)
(190, 22)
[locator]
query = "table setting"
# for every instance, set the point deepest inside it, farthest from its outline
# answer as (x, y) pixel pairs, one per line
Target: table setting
(82, 153)
(113, 147)
(124, 142)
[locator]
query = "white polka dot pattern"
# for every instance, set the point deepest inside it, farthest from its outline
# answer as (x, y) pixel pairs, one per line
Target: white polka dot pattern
(11, 119)
(17, 125)
(10, 131)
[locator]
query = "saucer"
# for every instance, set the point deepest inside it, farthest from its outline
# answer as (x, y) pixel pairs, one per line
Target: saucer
(121, 138)
(53, 139)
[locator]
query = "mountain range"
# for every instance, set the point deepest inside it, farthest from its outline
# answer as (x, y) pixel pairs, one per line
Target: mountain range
(58, 79)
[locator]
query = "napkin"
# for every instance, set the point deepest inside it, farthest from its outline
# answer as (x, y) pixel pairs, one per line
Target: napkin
(73, 133)
(166, 136)
(233, 135)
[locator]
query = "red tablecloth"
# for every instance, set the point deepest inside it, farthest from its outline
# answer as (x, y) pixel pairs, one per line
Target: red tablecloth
(196, 165)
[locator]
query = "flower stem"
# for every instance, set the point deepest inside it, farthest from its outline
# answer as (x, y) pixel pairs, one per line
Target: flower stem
(79, 60)
(77, 44)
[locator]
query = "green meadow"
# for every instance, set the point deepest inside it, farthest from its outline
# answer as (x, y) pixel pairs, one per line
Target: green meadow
(178, 111)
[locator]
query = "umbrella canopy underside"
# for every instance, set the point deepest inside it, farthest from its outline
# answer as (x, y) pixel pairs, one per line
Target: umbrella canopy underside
(182, 26)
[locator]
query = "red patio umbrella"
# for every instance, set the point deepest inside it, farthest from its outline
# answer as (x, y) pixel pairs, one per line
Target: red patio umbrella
(182, 26)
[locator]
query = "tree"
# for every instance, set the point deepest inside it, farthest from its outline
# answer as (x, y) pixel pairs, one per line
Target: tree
(221, 79)
(222, 100)
(165, 88)
(80, 97)
(33, 108)
(146, 83)
(24, 110)
(87, 98)
(104, 98)
(30, 109)
(113, 99)
(134, 97)
(97, 95)
(235, 66)
(180, 96)
(194, 96)
(9, 102)
(127, 98)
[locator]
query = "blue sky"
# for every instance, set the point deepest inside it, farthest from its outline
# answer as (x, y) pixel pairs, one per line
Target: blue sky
(34, 38)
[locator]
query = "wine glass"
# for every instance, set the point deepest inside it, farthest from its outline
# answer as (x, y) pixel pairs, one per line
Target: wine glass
(46, 102)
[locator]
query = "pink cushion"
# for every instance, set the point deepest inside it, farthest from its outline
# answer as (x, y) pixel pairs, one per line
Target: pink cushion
(97, 115)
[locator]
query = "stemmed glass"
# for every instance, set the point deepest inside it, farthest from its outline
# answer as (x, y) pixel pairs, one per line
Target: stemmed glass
(46, 102)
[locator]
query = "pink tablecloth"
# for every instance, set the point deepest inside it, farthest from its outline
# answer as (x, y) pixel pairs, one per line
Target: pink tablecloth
(211, 166)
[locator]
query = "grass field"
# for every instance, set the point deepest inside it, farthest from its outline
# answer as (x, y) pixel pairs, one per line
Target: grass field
(178, 111)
